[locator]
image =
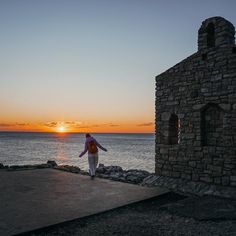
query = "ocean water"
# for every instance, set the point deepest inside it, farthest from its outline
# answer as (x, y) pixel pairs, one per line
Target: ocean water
(130, 151)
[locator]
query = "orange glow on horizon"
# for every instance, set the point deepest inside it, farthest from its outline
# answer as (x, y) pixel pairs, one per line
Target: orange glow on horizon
(61, 129)
(80, 127)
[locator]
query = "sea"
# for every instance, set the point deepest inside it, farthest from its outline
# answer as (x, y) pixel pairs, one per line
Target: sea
(130, 151)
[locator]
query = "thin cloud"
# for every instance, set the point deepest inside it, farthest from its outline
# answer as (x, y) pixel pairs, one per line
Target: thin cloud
(88, 126)
(113, 125)
(6, 125)
(51, 124)
(72, 122)
(54, 124)
(13, 124)
(145, 124)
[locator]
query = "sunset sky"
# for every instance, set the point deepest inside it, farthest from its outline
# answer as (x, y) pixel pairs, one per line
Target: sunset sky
(90, 65)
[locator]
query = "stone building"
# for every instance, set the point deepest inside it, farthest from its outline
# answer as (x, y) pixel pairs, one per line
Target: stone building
(196, 110)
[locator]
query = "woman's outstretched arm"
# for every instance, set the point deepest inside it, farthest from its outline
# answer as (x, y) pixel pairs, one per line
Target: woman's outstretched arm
(85, 150)
(100, 146)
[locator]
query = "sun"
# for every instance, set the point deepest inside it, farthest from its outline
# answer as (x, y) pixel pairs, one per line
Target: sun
(61, 129)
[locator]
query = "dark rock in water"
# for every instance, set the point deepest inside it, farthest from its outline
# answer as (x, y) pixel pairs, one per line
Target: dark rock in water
(108, 169)
(1, 166)
(74, 169)
(52, 163)
(14, 167)
(101, 169)
(115, 176)
(117, 173)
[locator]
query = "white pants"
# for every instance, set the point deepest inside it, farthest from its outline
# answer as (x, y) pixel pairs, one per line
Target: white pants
(93, 162)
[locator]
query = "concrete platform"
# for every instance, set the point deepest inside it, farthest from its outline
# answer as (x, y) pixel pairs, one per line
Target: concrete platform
(38, 198)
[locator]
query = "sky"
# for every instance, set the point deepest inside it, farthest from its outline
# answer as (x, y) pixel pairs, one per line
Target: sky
(90, 65)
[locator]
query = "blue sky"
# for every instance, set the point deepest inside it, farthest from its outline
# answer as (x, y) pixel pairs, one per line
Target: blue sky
(93, 61)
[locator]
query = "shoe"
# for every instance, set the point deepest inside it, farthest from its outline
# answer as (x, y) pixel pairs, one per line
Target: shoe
(92, 177)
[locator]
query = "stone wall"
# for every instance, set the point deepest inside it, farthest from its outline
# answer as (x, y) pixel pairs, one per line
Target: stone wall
(196, 111)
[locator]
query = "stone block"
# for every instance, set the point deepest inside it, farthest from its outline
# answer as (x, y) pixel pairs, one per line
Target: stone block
(176, 174)
(198, 106)
(195, 177)
(225, 180)
(165, 116)
(164, 150)
(166, 173)
(207, 179)
(217, 180)
(193, 163)
(225, 107)
(233, 178)
(186, 176)
(233, 184)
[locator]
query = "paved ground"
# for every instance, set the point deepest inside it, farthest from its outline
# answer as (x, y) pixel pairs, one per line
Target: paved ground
(38, 198)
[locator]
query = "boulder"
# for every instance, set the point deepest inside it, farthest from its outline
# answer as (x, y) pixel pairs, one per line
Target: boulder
(101, 169)
(115, 176)
(14, 167)
(108, 169)
(51, 163)
(134, 179)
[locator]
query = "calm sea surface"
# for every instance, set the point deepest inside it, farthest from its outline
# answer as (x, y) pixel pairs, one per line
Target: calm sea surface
(130, 151)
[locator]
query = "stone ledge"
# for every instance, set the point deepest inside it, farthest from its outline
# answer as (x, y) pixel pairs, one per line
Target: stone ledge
(49, 164)
(189, 187)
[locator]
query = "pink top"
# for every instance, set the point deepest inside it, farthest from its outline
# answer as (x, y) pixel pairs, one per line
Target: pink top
(89, 139)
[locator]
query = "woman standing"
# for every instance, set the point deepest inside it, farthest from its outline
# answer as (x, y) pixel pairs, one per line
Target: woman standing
(91, 145)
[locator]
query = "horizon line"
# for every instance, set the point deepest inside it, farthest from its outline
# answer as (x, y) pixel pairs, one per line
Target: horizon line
(12, 131)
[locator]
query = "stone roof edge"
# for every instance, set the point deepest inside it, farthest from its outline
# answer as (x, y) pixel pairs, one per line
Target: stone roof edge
(183, 61)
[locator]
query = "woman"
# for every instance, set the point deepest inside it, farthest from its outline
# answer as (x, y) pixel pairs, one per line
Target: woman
(91, 145)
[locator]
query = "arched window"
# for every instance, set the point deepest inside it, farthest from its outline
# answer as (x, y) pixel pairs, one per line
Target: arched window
(210, 30)
(212, 125)
(174, 129)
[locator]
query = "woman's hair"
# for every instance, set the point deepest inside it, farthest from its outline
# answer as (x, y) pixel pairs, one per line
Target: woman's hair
(87, 135)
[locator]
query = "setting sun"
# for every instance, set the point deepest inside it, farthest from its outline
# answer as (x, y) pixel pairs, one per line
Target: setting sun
(61, 129)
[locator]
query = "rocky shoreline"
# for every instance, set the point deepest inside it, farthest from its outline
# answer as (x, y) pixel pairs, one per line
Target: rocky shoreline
(141, 177)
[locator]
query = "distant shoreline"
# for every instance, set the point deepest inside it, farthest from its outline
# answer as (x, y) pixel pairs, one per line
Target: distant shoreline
(47, 132)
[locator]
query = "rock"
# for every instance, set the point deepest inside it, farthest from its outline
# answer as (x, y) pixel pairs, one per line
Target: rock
(118, 174)
(52, 163)
(74, 169)
(101, 169)
(115, 176)
(111, 169)
(140, 173)
(108, 169)
(136, 179)
(14, 167)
